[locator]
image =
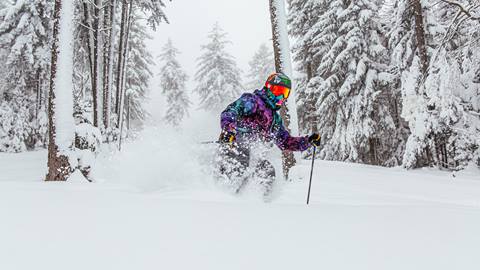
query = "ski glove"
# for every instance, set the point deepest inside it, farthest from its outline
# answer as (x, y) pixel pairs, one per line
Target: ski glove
(227, 137)
(314, 139)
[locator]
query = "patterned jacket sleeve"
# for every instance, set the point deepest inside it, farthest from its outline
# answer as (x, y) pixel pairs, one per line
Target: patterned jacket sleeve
(286, 142)
(244, 106)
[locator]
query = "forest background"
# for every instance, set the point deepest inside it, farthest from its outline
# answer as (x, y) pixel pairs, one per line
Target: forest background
(389, 83)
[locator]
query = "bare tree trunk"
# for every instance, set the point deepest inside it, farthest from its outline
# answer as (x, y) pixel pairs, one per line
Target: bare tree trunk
(87, 21)
(311, 105)
(59, 168)
(420, 38)
(441, 147)
(93, 25)
(108, 64)
(106, 46)
(38, 107)
(124, 77)
(288, 159)
(420, 35)
(97, 63)
(94, 66)
(436, 146)
(128, 112)
(38, 87)
(121, 57)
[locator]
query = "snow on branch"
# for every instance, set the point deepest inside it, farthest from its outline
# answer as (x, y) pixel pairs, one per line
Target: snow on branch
(462, 9)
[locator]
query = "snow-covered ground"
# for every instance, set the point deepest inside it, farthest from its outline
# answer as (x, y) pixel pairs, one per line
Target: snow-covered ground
(154, 206)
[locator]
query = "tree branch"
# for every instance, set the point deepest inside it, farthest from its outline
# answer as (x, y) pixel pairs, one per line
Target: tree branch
(462, 9)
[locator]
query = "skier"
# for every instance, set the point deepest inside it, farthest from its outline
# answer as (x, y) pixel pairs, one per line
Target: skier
(253, 119)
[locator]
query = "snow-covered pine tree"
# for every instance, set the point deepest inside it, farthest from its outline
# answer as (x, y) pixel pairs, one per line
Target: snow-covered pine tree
(89, 73)
(25, 44)
(261, 66)
(82, 79)
(108, 65)
(448, 126)
(356, 122)
(173, 83)
(138, 70)
(461, 45)
(314, 35)
(433, 48)
(412, 29)
(153, 10)
(87, 62)
(414, 38)
(217, 76)
(92, 23)
(25, 34)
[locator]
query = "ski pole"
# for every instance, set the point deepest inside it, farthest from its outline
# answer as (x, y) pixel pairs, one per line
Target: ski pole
(210, 142)
(311, 174)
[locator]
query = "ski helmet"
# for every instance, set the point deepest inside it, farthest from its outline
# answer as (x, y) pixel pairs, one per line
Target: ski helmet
(279, 85)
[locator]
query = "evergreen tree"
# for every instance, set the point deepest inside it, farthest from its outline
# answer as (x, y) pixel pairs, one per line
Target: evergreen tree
(413, 38)
(138, 69)
(25, 45)
(25, 35)
(218, 77)
(173, 84)
(93, 13)
(312, 23)
(261, 66)
(153, 9)
(444, 114)
(314, 27)
(355, 117)
(108, 65)
(82, 79)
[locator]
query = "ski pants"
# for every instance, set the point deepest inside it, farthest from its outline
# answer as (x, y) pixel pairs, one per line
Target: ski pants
(235, 166)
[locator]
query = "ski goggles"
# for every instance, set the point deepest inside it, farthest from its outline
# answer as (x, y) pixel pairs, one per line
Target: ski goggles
(279, 90)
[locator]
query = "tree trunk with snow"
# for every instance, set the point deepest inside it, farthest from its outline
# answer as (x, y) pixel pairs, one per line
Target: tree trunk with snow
(60, 101)
(87, 21)
(105, 64)
(108, 63)
(38, 88)
(121, 56)
(97, 62)
(420, 35)
(123, 78)
(92, 20)
(128, 112)
(283, 64)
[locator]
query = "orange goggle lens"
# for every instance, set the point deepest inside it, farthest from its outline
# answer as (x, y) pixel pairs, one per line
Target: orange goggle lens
(279, 90)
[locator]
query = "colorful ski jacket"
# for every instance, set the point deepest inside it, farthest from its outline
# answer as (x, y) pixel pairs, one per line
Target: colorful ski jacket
(254, 117)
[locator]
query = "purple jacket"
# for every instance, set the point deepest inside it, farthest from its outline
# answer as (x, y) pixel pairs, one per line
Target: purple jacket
(254, 117)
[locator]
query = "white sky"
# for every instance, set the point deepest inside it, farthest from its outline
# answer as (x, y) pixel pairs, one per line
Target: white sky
(247, 23)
